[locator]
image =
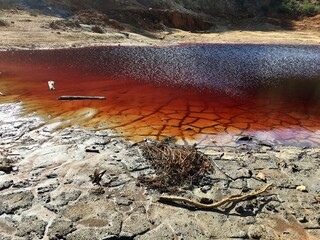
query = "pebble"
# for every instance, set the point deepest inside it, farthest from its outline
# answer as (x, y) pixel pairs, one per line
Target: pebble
(6, 184)
(302, 188)
(261, 176)
(302, 219)
(206, 188)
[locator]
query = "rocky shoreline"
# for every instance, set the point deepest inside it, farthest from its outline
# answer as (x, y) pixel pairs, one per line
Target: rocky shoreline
(50, 193)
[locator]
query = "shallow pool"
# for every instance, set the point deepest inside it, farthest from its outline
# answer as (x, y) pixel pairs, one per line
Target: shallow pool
(209, 94)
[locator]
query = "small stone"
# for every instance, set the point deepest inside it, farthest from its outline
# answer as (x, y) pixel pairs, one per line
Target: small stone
(206, 188)
(206, 201)
(98, 29)
(302, 219)
(17, 124)
(302, 188)
(6, 184)
(240, 209)
(261, 176)
(245, 138)
(97, 191)
(123, 201)
(92, 149)
(52, 175)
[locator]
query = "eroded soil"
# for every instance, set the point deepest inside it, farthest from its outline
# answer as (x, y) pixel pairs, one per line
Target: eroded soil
(32, 30)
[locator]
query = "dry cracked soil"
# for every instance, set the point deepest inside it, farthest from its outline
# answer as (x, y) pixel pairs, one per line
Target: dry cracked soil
(54, 190)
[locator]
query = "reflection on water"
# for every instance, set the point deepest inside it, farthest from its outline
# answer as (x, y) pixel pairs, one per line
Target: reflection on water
(202, 93)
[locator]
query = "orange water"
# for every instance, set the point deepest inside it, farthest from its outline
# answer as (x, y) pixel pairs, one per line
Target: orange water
(139, 108)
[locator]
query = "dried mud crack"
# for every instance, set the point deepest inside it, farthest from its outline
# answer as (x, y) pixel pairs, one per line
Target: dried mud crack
(52, 196)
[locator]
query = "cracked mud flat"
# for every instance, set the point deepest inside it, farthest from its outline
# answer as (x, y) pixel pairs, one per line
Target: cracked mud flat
(50, 194)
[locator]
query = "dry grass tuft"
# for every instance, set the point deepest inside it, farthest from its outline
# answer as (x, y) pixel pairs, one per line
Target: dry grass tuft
(175, 166)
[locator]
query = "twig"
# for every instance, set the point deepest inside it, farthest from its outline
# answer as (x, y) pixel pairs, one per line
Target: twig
(232, 198)
(2, 94)
(81, 98)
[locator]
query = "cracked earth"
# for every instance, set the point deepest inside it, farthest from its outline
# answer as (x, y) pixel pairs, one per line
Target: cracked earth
(50, 195)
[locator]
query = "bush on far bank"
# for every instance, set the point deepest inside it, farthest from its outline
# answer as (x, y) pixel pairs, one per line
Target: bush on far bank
(296, 8)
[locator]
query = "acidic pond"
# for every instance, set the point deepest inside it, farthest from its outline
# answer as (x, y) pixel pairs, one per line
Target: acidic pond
(209, 94)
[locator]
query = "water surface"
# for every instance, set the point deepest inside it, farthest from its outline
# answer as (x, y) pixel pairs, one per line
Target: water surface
(208, 94)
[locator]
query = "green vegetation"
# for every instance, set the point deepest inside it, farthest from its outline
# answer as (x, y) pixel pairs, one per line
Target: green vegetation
(298, 8)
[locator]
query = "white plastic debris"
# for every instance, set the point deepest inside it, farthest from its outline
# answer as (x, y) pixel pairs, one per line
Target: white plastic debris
(51, 85)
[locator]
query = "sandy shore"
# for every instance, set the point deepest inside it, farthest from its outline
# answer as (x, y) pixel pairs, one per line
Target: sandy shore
(49, 193)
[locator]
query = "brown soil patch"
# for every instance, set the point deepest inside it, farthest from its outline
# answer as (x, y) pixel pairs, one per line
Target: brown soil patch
(311, 23)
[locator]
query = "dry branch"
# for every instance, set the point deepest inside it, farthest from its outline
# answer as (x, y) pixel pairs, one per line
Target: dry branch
(81, 98)
(232, 198)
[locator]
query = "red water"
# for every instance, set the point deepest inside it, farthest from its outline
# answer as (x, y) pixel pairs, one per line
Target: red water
(137, 110)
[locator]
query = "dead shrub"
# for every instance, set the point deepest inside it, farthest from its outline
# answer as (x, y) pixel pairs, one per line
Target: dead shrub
(175, 166)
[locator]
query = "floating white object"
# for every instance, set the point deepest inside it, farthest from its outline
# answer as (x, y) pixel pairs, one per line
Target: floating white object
(51, 85)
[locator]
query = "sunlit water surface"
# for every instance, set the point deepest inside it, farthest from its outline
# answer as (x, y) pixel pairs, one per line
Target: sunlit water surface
(209, 94)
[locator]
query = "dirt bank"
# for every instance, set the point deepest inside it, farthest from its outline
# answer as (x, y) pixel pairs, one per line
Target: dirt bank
(22, 29)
